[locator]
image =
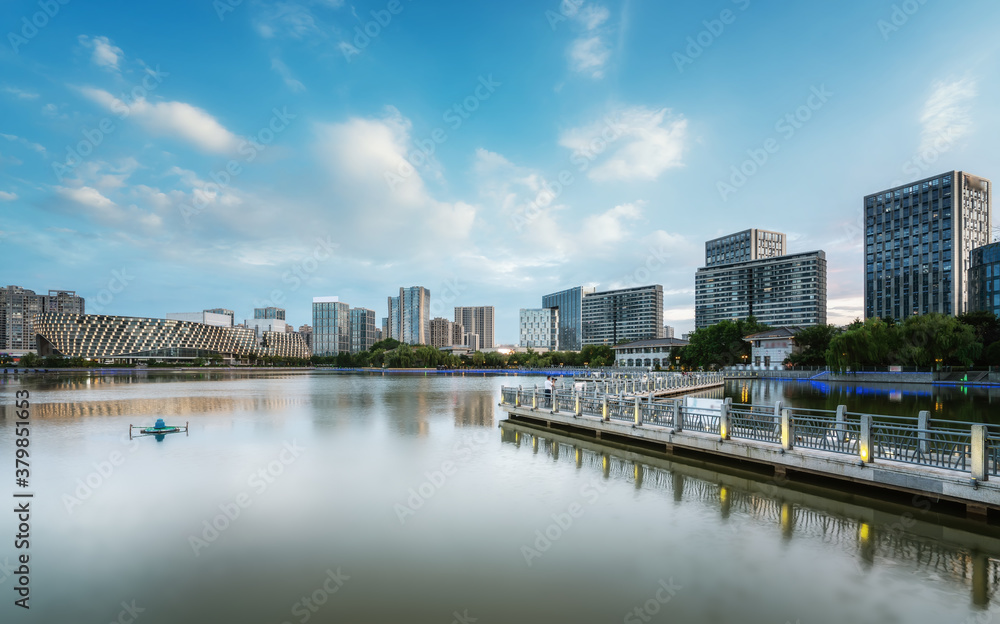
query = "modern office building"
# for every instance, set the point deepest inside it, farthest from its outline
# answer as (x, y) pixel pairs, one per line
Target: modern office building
(479, 320)
(362, 329)
(206, 317)
(18, 308)
(269, 313)
(786, 290)
(331, 326)
(570, 305)
(918, 242)
(615, 316)
(131, 339)
(395, 319)
(224, 312)
(442, 332)
(539, 328)
(414, 315)
(668, 331)
(386, 334)
(744, 246)
(471, 341)
(984, 279)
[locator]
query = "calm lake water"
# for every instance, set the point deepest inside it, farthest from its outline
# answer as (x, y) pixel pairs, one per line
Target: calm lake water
(399, 499)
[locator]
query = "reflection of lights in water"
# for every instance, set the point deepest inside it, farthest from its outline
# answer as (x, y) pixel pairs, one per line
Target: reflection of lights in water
(896, 396)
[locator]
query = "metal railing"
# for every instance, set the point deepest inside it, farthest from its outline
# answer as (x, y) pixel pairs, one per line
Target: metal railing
(950, 445)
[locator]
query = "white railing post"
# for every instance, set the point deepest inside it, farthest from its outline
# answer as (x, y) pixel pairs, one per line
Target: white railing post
(534, 398)
(578, 406)
(638, 411)
(678, 416)
(787, 430)
(517, 397)
(923, 424)
(555, 400)
(604, 408)
(841, 423)
(725, 419)
(865, 447)
(979, 454)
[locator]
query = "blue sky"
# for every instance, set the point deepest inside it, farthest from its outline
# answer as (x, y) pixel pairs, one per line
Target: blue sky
(173, 156)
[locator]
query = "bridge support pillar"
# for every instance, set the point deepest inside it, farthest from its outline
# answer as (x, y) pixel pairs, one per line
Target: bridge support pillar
(978, 453)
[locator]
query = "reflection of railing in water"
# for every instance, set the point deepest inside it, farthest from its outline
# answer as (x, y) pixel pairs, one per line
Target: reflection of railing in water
(867, 540)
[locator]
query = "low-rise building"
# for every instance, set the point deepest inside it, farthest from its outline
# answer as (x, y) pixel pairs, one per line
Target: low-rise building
(769, 349)
(647, 354)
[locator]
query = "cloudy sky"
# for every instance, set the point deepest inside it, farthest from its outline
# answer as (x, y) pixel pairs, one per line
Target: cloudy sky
(174, 156)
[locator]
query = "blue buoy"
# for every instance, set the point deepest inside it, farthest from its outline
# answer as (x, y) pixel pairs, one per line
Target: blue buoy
(159, 424)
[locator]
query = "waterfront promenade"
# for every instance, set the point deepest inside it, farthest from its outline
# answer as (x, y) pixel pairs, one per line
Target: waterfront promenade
(941, 460)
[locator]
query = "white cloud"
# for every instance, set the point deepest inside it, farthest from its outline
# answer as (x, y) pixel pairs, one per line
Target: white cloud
(5, 196)
(21, 94)
(589, 52)
(88, 196)
(104, 53)
(609, 228)
(359, 154)
(293, 19)
(179, 119)
(25, 142)
(946, 114)
(636, 143)
(589, 55)
(286, 74)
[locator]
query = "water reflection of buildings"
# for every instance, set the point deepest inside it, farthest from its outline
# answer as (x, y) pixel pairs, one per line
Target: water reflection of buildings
(874, 536)
(474, 409)
(174, 406)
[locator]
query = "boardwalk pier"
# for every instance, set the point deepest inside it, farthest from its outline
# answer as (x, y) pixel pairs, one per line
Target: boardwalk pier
(942, 460)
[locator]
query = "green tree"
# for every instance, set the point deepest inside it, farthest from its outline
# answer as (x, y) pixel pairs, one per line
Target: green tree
(30, 360)
(933, 339)
(721, 344)
(478, 358)
(385, 345)
(986, 325)
(814, 342)
(873, 343)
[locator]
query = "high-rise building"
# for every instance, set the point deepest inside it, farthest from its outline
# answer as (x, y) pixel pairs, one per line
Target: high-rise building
(471, 340)
(331, 326)
(442, 332)
(457, 334)
(385, 328)
(569, 303)
(478, 320)
(395, 319)
(752, 244)
(782, 291)
(18, 308)
(539, 328)
(668, 331)
(414, 315)
(984, 279)
(362, 328)
(918, 242)
(615, 316)
(269, 313)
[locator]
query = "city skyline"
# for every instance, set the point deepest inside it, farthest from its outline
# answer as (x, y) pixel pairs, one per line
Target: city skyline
(686, 128)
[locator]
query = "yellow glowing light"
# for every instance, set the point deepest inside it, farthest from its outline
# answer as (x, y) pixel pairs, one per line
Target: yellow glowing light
(864, 533)
(723, 494)
(864, 452)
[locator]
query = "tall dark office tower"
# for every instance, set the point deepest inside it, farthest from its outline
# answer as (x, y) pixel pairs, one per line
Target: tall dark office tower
(918, 238)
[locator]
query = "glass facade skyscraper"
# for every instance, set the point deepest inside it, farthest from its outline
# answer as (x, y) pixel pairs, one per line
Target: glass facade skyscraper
(362, 329)
(415, 315)
(569, 303)
(331, 326)
(984, 279)
(918, 239)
